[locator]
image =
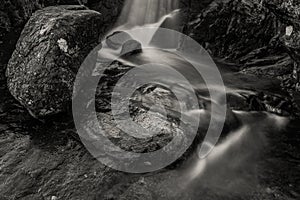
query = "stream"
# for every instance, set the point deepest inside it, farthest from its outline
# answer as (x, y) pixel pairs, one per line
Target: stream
(257, 156)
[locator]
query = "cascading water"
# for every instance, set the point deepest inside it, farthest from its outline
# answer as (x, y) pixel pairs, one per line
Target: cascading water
(139, 14)
(142, 12)
(230, 160)
(145, 14)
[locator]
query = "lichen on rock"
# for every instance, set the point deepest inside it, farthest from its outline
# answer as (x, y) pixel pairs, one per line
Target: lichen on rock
(42, 69)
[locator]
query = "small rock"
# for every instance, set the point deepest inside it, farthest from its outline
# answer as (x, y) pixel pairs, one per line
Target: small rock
(131, 47)
(117, 39)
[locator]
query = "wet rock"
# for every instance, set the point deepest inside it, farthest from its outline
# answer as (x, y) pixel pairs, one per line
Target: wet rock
(131, 47)
(270, 67)
(289, 40)
(287, 11)
(49, 52)
(110, 11)
(117, 39)
(267, 32)
(152, 107)
(222, 22)
(13, 17)
(273, 103)
(292, 45)
(15, 13)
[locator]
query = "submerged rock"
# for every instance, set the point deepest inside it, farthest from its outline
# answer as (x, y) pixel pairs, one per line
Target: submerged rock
(50, 50)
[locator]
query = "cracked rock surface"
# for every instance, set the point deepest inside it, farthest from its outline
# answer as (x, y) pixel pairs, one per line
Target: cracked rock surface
(51, 48)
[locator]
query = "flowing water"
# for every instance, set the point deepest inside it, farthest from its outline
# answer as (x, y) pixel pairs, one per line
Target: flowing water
(231, 166)
(141, 12)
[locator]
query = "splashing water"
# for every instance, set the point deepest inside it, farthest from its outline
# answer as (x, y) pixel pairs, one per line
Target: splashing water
(147, 14)
(138, 15)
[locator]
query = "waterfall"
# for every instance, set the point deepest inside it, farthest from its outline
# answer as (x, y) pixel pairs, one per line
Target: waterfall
(146, 17)
(141, 12)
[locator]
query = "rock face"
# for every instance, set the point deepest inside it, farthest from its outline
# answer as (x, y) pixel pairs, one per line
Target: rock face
(289, 39)
(191, 8)
(15, 13)
(292, 45)
(259, 36)
(13, 16)
(49, 52)
(110, 10)
(232, 28)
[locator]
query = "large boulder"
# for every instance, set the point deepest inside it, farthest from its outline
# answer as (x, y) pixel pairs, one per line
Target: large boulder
(13, 16)
(15, 13)
(52, 46)
(232, 28)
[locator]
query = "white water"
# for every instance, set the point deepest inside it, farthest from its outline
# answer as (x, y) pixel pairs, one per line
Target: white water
(141, 12)
(150, 14)
(136, 16)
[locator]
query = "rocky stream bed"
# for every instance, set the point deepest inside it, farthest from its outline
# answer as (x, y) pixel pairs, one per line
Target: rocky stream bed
(42, 156)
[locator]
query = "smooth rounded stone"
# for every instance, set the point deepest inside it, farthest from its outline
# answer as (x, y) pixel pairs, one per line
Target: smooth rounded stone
(117, 39)
(131, 47)
(52, 46)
